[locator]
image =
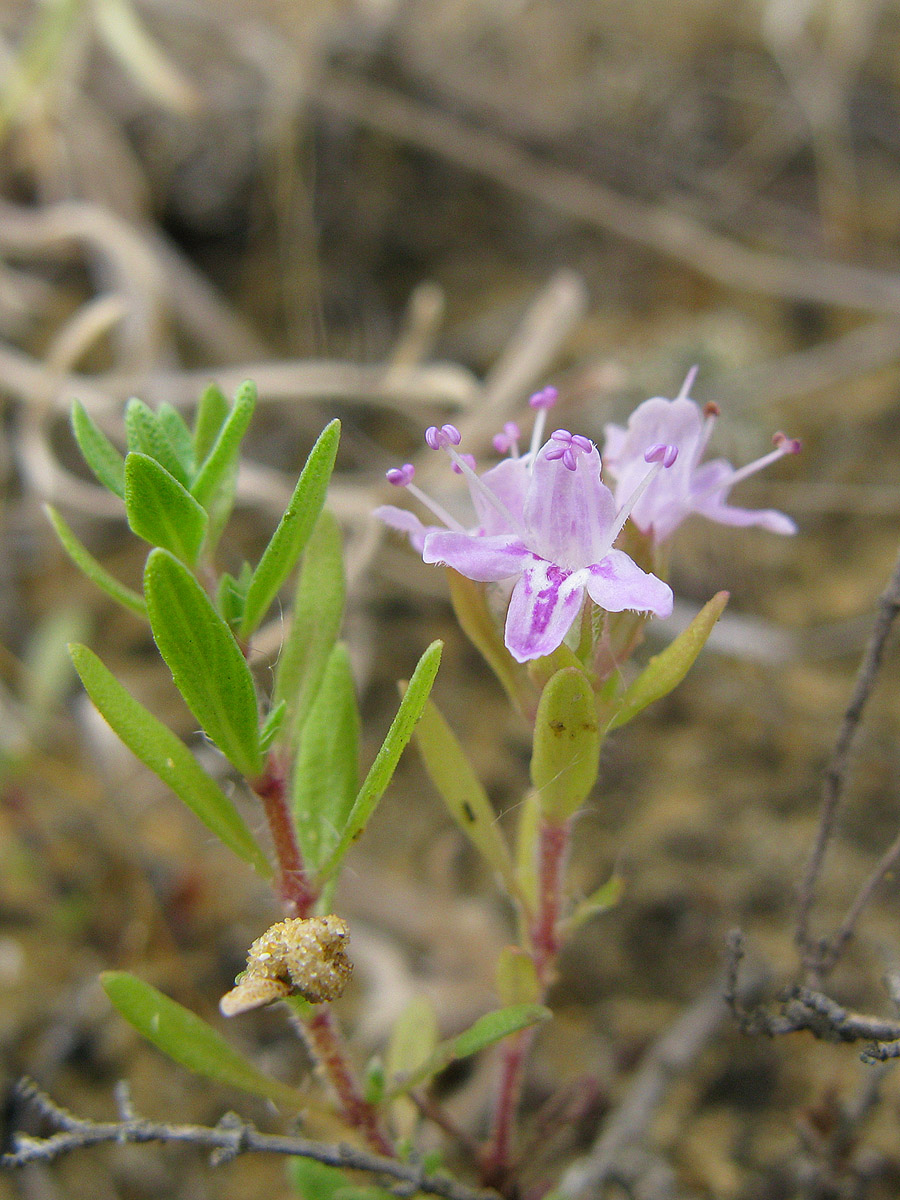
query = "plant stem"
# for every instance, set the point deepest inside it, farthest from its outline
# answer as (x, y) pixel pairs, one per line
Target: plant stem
(320, 1031)
(324, 1039)
(294, 886)
(553, 842)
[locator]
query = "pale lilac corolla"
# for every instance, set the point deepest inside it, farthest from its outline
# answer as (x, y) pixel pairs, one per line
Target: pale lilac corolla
(690, 486)
(546, 524)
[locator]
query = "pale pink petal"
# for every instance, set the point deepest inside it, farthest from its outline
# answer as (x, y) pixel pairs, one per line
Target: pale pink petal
(486, 559)
(508, 480)
(569, 514)
(617, 583)
(406, 522)
(543, 605)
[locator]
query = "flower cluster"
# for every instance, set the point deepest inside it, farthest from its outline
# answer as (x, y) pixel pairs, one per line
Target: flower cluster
(547, 523)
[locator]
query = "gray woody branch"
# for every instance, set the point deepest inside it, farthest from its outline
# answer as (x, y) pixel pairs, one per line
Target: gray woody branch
(226, 1140)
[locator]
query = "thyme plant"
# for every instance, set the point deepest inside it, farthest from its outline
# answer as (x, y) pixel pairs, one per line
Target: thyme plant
(554, 582)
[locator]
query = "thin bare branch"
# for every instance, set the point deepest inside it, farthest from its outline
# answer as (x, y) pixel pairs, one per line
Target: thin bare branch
(226, 1140)
(817, 958)
(665, 230)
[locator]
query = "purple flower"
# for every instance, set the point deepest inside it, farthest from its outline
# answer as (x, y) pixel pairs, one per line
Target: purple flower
(547, 524)
(690, 486)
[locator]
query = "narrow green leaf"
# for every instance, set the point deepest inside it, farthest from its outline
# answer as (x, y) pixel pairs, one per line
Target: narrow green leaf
(270, 727)
(211, 413)
(160, 510)
(527, 837)
(290, 537)
(606, 896)
(205, 660)
(317, 614)
(462, 792)
(166, 755)
(187, 1039)
(313, 1180)
(487, 1030)
(480, 627)
(413, 1040)
(99, 453)
(326, 771)
(223, 454)
(147, 436)
(666, 670)
(388, 756)
(566, 755)
(516, 977)
(173, 426)
(97, 574)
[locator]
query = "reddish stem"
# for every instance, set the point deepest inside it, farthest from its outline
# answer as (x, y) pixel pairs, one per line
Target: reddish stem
(553, 841)
(294, 886)
(325, 1041)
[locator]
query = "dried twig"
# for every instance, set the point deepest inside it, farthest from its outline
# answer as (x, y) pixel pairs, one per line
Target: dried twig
(655, 226)
(226, 1140)
(820, 956)
(668, 1058)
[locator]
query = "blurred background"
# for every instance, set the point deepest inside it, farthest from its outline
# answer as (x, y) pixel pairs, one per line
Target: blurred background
(407, 211)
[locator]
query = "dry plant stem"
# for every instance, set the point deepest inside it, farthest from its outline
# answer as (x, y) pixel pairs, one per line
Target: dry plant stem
(818, 957)
(319, 1031)
(294, 886)
(231, 1137)
(323, 1037)
(553, 844)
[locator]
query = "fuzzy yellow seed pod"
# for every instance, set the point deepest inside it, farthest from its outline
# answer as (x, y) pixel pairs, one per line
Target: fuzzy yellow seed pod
(302, 955)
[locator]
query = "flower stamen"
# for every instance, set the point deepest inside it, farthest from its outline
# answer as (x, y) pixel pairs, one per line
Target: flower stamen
(661, 456)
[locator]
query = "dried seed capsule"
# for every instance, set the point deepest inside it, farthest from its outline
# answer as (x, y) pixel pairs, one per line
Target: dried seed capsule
(302, 955)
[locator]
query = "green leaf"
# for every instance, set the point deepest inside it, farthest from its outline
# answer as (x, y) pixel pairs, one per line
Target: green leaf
(487, 1030)
(97, 574)
(147, 436)
(481, 628)
(566, 755)
(313, 1180)
(99, 453)
(462, 791)
(414, 1039)
(386, 759)
(160, 510)
(606, 896)
(187, 1039)
(211, 413)
(222, 456)
(326, 770)
(666, 670)
(516, 977)
(290, 537)
(527, 837)
(205, 660)
(271, 726)
(166, 755)
(173, 426)
(315, 624)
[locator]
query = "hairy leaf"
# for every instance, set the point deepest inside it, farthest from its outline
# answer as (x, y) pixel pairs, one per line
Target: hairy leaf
(160, 510)
(99, 453)
(205, 660)
(293, 530)
(166, 755)
(85, 561)
(187, 1039)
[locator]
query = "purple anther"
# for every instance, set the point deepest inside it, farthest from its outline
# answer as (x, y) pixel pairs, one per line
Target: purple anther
(567, 446)
(787, 445)
(504, 442)
(447, 435)
(661, 452)
(468, 459)
(545, 398)
(401, 476)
